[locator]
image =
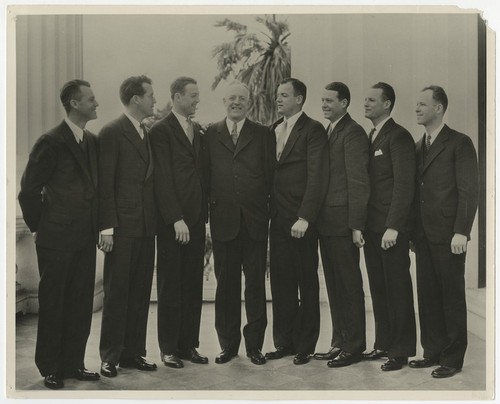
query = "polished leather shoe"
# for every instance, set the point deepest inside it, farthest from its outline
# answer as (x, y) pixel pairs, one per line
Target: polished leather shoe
(225, 356)
(139, 363)
(108, 369)
(172, 361)
(344, 359)
(84, 375)
(444, 371)
(394, 364)
(422, 363)
(53, 382)
(327, 356)
(256, 357)
(193, 356)
(375, 354)
(279, 353)
(301, 358)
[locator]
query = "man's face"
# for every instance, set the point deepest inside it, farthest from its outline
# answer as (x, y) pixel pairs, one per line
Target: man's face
(188, 101)
(332, 107)
(426, 108)
(236, 102)
(375, 105)
(87, 105)
(288, 103)
(147, 100)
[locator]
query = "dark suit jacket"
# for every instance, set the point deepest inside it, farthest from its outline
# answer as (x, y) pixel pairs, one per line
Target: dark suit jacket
(127, 201)
(392, 179)
(58, 194)
(240, 179)
(179, 184)
(345, 205)
(301, 175)
(447, 186)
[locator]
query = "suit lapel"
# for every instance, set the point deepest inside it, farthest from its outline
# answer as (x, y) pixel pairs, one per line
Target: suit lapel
(382, 134)
(133, 137)
(339, 128)
(224, 137)
(294, 135)
(69, 139)
(436, 148)
(179, 132)
(420, 154)
(92, 158)
(244, 137)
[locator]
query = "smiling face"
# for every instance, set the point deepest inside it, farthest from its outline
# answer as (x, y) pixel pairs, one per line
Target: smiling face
(377, 108)
(288, 103)
(86, 105)
(332, 107)
(146, 101)
(427, 109)
(187, 102)
(236, 100)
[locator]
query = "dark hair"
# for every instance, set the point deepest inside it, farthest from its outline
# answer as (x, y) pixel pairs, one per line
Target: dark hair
(299, 88)
(387, 92)
(179, 85)
(71, 91)
(342, 90)
(133, 86)
(438, 95)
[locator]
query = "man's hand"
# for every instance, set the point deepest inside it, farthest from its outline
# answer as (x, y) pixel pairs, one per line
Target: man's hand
(181, 232)
(357, 238)
(299, 228)
(458, 244)
(389, 239)
(106, 243)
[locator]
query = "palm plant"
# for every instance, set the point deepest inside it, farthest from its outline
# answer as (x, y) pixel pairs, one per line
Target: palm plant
(260, 64)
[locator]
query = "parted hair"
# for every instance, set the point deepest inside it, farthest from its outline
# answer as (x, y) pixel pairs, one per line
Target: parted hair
(71, 91)
(133, 86)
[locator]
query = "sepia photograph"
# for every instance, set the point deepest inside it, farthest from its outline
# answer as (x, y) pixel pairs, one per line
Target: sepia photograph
(250, 202)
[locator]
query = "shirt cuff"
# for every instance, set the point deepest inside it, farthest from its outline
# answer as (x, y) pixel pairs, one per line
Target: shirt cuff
(107, 232)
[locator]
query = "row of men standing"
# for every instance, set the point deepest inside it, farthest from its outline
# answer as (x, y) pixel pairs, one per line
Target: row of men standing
(339, 186)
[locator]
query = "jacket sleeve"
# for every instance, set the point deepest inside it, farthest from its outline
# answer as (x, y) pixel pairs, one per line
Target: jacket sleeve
(317, 173)
(41, 164)
(467, 178)
(402, 149)
(358, 182)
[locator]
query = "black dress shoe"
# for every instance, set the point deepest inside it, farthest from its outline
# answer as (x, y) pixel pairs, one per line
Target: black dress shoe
(84, 375)
(139, 363)
(193, 355)
(256, 357)
(375, 354)
(344, 359)
(327, 356)
(422, 363)
(225, 356)
(301, 358)
(172, 361)
(279, 353)
(53, 382)
(444, 371)
(394, 364)
(108, 369)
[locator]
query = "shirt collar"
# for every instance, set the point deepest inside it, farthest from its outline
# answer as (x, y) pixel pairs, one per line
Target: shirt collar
(239, 125)
(182, 119)
(435, 132)
(380, 124)
(291, 121)
(334, 124)
(136, 123)
(77, 131)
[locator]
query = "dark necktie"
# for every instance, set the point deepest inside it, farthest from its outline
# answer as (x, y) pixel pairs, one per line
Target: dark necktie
(144, 131)
(370, 135)
(83, 143)
(427, 142)
(234, 133)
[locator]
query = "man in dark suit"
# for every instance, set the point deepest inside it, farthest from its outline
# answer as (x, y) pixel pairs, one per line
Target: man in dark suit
(127, 219)
(182, 204)
(446, 201)
(340, 225)
(58, 199)
(300, 182)
(392, 182)
(240, 168)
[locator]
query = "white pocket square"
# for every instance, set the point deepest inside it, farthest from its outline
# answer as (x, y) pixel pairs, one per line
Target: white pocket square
(378, 153)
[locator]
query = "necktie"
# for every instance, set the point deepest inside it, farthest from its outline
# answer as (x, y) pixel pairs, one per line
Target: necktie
(144, 132)
(427, 142)
(234, 133)
(190, 133)
(280, 138)
(370, 135)
(330, 130)
(83, 142)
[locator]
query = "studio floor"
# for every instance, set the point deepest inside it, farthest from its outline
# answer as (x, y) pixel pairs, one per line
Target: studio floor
(240, 374)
